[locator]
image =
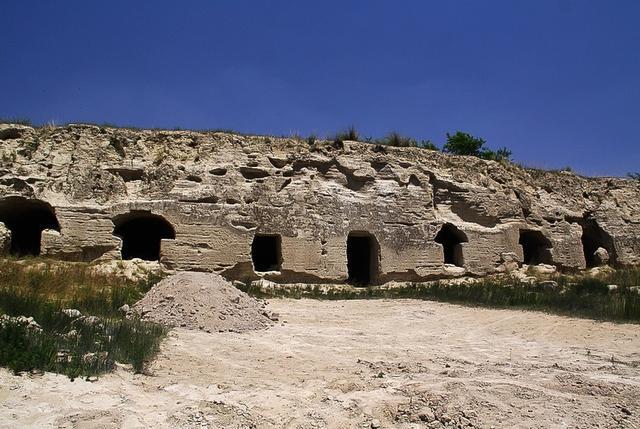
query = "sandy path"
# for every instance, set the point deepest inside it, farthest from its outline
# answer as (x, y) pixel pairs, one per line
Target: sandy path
(400, 363)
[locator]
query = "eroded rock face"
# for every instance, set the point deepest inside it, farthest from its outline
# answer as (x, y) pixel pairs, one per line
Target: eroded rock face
(5, 239)
(207, 195)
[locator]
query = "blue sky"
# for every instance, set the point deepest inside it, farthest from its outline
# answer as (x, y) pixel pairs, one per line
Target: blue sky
(558, 82)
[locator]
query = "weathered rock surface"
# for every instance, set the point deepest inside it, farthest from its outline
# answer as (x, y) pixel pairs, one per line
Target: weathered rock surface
(5, 239)
(112, 192)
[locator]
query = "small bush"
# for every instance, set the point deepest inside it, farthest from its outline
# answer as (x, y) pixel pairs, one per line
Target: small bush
(465, 144)
(349, 134)
(398, 140)
(502, 154)
(428, 144)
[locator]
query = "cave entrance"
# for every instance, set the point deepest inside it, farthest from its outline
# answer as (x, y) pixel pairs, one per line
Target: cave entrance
(451, 239)
(266, 252)
(594, 237)
(536, 248)
(141, 232)
(362, 258)
(26, 219)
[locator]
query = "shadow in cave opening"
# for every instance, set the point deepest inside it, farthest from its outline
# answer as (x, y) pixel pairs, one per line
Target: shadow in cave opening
(26, 219)
(363, 255)
(593, 237)
(536, 248)
(141, 232)
(266, 252)
(451, 239)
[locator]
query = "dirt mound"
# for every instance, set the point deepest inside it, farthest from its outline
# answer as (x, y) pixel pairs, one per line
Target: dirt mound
(203, 301)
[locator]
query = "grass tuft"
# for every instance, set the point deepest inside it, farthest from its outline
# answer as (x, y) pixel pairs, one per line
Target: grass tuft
(349, 134)
(36, 335)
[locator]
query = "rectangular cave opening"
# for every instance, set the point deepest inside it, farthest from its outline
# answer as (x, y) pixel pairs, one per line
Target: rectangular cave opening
(266, 252)
(536, 248)
(362, 258)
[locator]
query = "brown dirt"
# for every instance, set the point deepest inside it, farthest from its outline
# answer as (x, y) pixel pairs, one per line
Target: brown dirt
(341, 364)
(202, 301)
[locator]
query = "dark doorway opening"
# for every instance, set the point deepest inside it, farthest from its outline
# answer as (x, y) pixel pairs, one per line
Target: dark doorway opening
(594, 237)
(362, 258)
(26, 219)
(141, 232)
(535, 247)
(266, 252)
(451, 239)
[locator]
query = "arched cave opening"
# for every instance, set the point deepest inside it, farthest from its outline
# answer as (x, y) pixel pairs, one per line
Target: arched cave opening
(141, 232)
(266, 252)
(451, 239)
(363, 255)
(593, 238)
(535, 247)
(26, 219)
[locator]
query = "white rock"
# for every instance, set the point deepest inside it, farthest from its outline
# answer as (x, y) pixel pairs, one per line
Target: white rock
(72, 312)
(601, 256)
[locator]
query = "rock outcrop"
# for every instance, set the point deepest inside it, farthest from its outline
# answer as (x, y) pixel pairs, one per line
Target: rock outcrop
(250, 206)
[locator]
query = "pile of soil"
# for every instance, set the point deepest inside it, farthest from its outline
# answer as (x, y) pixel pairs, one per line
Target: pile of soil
(203, 301)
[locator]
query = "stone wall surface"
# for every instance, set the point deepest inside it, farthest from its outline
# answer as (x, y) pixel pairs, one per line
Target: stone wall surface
(218, 190)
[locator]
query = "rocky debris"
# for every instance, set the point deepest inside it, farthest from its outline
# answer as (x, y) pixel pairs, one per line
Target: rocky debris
(203, 301)
(217, 414)
(612, 288)
(436, 412)
(548, 285)
(135, 269)
(542, 269)
(72, 312)
(601, 256)
(27, 322)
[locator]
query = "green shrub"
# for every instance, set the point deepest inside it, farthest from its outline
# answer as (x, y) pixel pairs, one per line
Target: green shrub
(502, 154)
(428, 144)
(311, 139)
(465, 144)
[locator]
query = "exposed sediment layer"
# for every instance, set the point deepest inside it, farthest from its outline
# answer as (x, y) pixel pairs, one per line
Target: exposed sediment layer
(250, 206)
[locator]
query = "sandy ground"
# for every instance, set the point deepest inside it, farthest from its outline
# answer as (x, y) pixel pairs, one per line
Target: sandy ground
(401, 363)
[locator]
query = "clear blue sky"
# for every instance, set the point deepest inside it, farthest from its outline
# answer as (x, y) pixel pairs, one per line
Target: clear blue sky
(558, 82)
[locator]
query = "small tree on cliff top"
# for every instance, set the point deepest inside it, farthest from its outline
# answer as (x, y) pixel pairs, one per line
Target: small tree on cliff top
(465, 144)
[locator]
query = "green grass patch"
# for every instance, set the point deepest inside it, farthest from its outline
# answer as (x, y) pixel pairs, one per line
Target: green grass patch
(39, 290)
(580, 295)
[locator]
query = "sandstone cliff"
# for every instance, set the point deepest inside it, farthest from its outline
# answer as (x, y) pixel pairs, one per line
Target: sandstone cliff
(248, 206)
